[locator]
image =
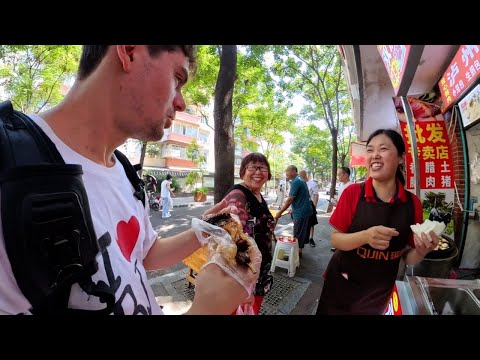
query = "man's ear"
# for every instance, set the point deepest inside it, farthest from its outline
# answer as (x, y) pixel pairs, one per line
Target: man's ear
(126, 55)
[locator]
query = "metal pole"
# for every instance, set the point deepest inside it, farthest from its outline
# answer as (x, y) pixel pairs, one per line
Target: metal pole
(273, 163)
(413, 142)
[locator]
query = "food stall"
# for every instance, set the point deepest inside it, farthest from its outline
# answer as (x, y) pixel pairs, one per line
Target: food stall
(433, 87)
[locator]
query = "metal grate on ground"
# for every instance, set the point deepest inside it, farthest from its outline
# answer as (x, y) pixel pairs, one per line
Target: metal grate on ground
(281, 299)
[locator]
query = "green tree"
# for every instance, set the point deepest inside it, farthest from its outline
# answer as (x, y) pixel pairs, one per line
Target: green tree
(266, 124)
(316, 72)
(251, 85)
(316, 148)
(194, 153)
(32, 75)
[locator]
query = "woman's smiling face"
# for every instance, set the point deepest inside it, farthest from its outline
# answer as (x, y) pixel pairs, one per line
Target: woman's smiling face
(382, 158)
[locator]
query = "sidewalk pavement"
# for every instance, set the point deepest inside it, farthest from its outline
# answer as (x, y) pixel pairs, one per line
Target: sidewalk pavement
(297, 295)
(187, 201)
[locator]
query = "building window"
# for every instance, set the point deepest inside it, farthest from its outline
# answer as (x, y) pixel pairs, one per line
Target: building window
(203, 137)
(185, 130)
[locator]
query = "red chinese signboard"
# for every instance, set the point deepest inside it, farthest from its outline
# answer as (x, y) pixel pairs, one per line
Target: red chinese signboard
(436, 167)
(461, 73)
(395, 59)
(358, 154)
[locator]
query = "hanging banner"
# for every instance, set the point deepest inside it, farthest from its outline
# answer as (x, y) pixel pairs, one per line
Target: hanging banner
(462, 72)
(395, 59)
(358, 154)
(435, 160)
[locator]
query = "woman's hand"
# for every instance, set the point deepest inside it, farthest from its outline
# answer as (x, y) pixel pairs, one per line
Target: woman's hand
(423, 245)
(379, 236)
(222, 206)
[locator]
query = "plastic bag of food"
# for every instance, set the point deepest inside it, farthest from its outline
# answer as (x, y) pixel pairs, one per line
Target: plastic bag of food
(230, 248)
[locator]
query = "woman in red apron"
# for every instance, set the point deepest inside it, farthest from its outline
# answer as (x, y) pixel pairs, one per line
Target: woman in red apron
(372, 233)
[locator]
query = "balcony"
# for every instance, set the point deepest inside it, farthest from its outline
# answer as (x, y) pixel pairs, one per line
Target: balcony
(179, 163)
(178, 138)
(192, 119)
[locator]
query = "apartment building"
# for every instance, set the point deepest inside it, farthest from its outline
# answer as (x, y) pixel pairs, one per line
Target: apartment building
(172, 157)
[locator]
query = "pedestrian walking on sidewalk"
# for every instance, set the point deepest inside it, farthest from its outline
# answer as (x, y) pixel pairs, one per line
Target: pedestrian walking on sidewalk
(301, 208)
(166, 194)
(313, 196)
(343, 176)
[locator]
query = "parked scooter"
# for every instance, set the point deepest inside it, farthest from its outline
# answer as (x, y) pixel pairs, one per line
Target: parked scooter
(154, 201)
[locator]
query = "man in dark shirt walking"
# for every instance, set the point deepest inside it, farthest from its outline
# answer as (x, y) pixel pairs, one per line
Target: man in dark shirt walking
(299, 198)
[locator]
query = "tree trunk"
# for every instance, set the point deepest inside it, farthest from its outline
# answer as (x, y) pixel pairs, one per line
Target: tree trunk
(334, 133)
(142, 157)
(222, 113)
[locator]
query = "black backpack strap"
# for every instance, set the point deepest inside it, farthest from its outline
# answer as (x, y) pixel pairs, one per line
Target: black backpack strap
(47, 227)
(20, 132)
(130, 170)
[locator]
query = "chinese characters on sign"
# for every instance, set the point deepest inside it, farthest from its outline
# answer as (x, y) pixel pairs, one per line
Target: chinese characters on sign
(436, 167)
(434, 158)
(460, 74)
(395, 58)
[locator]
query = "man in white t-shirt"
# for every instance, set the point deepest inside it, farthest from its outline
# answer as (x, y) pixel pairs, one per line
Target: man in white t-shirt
(122, 92)
(313, 193)
(166, 193)
(343, 176)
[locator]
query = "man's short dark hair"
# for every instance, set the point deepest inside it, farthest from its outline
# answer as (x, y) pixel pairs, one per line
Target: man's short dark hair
(346, 170)
(92, 56)
(168, 177)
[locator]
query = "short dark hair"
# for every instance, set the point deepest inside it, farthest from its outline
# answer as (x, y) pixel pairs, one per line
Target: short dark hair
(168, 177)
(254, 157)
(346, 170)
(292, 167)
(92, 56)
(397, 142)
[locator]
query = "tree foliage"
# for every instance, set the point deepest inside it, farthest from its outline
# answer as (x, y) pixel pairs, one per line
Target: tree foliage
(315, 146)
(32, 75)
(316, 73)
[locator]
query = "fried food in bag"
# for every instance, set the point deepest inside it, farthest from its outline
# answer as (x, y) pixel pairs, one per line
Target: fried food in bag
(238, 251)
(229, 247)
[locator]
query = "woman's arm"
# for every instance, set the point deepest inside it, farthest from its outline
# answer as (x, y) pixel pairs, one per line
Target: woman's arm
(377, 237)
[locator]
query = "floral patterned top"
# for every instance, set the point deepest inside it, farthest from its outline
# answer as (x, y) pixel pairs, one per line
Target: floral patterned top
(257, 221)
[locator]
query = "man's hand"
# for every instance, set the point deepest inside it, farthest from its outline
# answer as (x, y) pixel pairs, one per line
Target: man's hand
(216, 293)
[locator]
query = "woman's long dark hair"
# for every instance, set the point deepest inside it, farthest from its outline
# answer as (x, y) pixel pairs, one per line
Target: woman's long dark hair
(399, 144)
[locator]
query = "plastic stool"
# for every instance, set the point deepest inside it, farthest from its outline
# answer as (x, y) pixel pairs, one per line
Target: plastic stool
(289, 245)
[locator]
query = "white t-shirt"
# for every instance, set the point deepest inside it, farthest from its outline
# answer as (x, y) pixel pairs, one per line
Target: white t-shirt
(312, 188)
(342, 187)
(164, 189)
(121, 220)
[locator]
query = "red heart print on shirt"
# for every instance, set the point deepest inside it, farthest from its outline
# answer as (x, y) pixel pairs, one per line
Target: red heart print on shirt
(127, 236)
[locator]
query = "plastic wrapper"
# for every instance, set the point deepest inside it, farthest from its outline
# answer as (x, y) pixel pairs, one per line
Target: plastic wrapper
(245, 310)
(222, 251)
